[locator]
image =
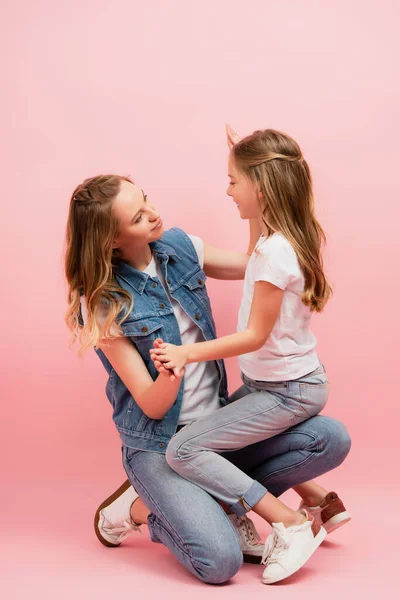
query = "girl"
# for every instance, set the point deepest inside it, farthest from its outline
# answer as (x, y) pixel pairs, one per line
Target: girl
(286, 384)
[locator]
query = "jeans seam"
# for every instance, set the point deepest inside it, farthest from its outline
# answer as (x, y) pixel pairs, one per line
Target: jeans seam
(187, 549)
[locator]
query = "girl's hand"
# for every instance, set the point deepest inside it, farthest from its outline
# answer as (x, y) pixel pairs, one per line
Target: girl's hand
(231, 136)
(160, 367)
(171, 356)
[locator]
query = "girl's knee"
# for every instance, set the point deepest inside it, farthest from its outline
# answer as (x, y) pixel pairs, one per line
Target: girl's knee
(172, 455)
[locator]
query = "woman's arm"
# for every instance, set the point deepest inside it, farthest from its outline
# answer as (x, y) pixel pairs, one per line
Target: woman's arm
(155, 398)
(226, 264)
(265, 309)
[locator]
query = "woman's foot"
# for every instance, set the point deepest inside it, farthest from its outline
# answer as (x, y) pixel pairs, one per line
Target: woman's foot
(330, 512)
(250, 541)
(287, 549)
(112, 521)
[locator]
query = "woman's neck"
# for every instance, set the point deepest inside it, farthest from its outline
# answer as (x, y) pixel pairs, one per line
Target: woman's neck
(138, 258)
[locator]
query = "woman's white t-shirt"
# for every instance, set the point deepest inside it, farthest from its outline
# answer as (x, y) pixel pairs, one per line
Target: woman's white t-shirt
(289, 351)
(201, 382)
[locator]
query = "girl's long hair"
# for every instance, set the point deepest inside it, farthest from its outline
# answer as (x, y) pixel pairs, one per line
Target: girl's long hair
(274, 162)
(91, 230)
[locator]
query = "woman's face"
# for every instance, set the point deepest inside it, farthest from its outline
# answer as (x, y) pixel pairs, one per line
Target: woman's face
(243, 191)
(139, 222)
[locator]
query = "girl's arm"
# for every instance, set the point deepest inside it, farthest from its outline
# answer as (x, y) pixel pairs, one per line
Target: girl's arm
(155, 398)
(225, 264)
(265, 309)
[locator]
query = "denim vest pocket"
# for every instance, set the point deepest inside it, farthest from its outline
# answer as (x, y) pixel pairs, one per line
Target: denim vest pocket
(141, 328)
(197, 285)
(143, 332)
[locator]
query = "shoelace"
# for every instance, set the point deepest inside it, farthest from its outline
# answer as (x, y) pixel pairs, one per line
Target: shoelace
(249, 530)
(123, 528)
(275, 545)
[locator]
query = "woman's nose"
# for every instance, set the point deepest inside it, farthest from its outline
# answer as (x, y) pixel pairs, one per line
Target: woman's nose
(153, 213)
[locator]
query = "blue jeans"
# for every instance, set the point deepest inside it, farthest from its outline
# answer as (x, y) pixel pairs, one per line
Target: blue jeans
(194, 527)
(258, 411)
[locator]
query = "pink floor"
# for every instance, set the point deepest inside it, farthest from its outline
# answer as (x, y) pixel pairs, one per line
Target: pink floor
(48, 550)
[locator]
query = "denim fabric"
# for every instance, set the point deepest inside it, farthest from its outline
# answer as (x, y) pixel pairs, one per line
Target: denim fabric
(189, 522)
(152, 317)
(258, 411)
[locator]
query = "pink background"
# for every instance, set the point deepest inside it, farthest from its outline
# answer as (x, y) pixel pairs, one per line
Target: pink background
(144, 88)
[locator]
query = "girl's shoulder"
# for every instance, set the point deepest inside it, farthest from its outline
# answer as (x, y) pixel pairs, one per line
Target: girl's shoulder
(275, 245)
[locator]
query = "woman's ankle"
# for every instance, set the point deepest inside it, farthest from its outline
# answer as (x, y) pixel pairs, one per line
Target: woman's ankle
(139, 512)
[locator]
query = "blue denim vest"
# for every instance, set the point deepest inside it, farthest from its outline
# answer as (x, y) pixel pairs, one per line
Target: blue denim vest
(152, 317)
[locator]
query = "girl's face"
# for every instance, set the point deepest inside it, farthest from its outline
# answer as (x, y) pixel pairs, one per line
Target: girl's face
(139, 222)
(243, 192)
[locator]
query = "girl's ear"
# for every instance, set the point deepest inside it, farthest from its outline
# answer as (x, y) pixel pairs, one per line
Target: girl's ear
(260, 195)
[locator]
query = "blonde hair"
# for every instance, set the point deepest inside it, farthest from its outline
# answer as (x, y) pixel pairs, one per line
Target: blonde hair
(91, 230)
(274, 162)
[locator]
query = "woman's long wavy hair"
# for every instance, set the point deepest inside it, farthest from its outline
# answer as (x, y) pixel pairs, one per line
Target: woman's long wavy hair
(274, 162)
(91, 231)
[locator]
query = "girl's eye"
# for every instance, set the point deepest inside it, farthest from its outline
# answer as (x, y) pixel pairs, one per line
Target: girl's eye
(138, 219)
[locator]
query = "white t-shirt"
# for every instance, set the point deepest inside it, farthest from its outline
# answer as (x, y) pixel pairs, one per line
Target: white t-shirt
(201, 383)
(289, 351)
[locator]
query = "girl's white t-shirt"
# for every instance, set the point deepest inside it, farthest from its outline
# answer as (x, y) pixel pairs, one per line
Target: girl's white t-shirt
(201, 382)
(289, 351)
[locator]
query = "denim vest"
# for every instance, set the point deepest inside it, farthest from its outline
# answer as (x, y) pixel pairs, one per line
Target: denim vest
(152, 316)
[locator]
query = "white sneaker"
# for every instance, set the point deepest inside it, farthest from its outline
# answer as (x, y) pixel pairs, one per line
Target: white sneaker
(250, 541)
(330, 513)
(287, 549)
(112, 521)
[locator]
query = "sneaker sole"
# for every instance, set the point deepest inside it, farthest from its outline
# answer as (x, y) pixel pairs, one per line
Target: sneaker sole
(106, 503)
(337, 521)
(317, 541)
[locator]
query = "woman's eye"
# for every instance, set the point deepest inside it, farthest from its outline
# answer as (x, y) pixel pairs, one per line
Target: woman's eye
(138, 219)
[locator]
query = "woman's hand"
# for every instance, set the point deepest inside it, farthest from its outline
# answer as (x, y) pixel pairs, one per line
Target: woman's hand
(172, 374)
(231, 136)
(169, 356)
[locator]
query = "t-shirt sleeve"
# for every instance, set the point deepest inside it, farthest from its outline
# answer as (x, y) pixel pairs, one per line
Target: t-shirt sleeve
(275, 263)
(199, 247)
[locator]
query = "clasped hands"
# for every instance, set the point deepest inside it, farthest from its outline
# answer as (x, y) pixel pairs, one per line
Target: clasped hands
(169, 359)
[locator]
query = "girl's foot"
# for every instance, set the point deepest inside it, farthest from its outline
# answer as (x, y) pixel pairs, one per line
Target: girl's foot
(330, 512)
(287, 549)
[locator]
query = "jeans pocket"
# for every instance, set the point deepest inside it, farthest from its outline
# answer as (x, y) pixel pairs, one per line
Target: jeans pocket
(314, 397)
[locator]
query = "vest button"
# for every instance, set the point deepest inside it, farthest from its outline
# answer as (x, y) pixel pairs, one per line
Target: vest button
(200, 281)
(154, 284)
(162, 445)
(162, 305)
(144, 329)
(197, 317)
